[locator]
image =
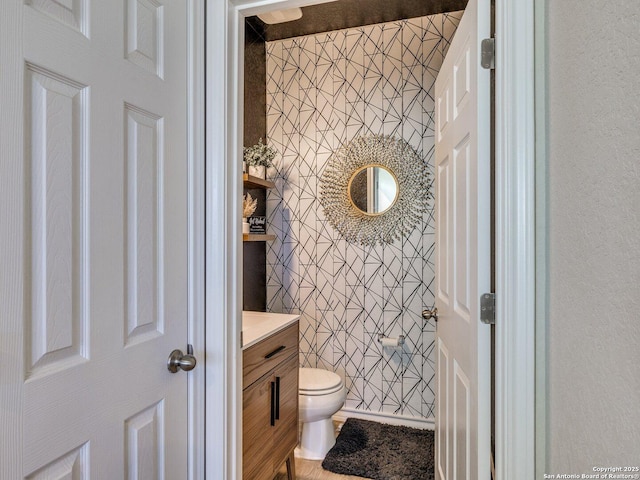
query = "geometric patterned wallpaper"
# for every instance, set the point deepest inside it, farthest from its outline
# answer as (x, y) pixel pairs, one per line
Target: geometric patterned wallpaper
(322, 91)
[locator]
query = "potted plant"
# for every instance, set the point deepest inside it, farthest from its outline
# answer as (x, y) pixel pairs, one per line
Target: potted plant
(258, 158)
(249, 205)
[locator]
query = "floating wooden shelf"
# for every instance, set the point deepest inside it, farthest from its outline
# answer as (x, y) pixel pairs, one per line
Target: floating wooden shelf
(254, 182)
(258, 237)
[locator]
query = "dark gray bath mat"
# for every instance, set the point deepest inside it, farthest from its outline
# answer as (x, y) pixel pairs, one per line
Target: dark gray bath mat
(382, 452)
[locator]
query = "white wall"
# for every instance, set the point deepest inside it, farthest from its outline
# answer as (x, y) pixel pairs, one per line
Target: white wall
(594, 234)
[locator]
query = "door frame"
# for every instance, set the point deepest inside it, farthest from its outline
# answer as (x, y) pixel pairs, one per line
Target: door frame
(196, 247)
(515, 211)
(515, 233)
(515, 240)
(11, 173)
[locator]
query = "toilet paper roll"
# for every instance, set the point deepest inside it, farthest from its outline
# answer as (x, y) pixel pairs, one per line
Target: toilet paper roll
(390, 342)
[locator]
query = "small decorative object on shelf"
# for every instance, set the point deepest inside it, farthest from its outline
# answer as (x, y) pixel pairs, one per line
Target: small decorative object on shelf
(258, 158)
(257, 225)
(259, 171)
(249, 205)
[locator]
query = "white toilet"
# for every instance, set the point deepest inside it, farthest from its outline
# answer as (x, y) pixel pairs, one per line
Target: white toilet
(321, 394)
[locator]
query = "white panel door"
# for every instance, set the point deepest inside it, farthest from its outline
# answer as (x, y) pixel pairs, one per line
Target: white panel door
(463, 237)
(99, 134)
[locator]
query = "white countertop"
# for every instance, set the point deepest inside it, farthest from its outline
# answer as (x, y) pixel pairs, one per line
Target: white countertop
(257, 326)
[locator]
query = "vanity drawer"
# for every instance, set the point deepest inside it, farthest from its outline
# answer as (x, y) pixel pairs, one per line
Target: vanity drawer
(258, 359)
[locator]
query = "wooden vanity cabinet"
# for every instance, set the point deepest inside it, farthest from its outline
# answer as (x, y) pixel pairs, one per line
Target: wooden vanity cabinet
(270, 405)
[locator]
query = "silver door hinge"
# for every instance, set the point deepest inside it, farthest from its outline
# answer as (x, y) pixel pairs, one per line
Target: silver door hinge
(488, 308)
(488, 53)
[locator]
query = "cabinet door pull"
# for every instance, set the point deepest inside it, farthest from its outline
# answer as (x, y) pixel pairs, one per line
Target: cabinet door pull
(277, 398)
(276, 351)
(273, 403)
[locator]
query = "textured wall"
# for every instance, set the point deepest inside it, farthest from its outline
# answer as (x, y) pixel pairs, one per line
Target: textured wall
(255, 79)
(254, 254)
(594, 234)
(322, 91)
(343, 14)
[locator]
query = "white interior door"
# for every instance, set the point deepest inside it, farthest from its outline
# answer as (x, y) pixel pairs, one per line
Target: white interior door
(463, 270)
(98, 134)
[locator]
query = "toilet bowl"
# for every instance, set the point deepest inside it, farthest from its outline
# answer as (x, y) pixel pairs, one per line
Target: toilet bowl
(321, 394)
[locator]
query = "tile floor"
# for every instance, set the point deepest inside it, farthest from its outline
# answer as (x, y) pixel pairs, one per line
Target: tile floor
(312, 469)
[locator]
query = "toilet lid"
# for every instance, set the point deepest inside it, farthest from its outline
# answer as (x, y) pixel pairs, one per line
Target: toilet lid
(314, 380)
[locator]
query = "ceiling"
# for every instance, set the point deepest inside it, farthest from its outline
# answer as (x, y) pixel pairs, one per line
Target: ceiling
(348, 14)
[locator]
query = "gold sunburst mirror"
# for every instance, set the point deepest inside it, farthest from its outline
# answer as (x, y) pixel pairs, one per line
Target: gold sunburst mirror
(375, 189)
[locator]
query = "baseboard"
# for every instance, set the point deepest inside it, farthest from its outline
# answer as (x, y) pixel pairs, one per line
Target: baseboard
(382, 417)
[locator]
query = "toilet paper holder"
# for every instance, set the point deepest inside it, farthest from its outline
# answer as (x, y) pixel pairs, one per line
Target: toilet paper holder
(390, 342)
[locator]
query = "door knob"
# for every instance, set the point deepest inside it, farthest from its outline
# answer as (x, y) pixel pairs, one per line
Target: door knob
(178, 360)
(429, 314)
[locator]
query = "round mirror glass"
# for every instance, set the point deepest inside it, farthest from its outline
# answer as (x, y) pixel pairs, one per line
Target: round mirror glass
(373, 189)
